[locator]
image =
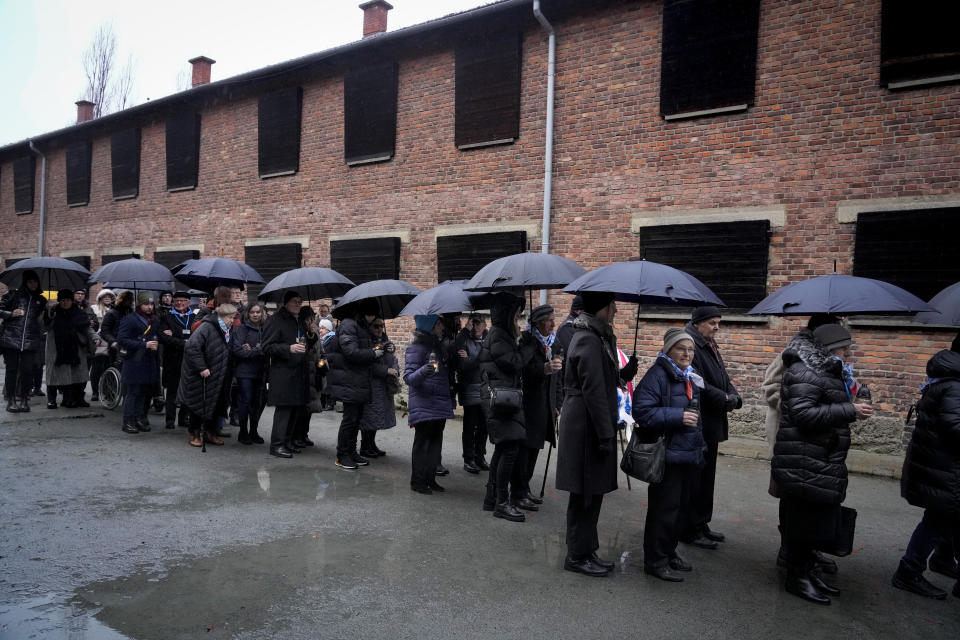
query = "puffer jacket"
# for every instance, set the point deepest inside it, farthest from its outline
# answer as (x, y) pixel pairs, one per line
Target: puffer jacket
(931, 468)
(351, 358)
(809, 457)
(430, 397)
(468, 372)
(248, 363)
(140, 365)
(659, 401)
(22, 333)
(502, 363)
(206, 348)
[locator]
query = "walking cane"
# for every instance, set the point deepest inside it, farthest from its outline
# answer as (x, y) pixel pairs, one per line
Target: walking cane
(622, 453)
(203, 403)
(546, 469)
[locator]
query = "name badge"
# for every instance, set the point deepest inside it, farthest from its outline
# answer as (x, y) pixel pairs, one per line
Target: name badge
(185, 332)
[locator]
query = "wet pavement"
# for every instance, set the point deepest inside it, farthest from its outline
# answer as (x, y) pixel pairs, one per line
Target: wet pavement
(107, 535)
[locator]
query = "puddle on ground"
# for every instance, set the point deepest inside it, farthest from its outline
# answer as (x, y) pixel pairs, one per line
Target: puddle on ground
(48, 617)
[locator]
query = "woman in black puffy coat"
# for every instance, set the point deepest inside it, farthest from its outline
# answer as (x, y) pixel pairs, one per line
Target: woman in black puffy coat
(931, 478)
(206, 373)
(819, 400)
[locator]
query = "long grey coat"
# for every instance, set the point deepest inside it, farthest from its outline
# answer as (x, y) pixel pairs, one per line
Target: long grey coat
(380, 413)
(64, 374)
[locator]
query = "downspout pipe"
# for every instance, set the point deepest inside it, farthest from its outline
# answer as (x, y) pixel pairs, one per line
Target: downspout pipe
(43, 196)
(548, 152)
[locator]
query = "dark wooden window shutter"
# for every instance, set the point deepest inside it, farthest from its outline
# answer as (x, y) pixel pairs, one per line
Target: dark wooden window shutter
(728, 257)
(916, 250)
(278, 118)
(83, 261)
(270, 260)
(170, 259)
(488, 89)
(370, 114)
(460, 257)
(919, 42)
(125, 163)
(116, 257)
(24, 171)
(709, 55)
(367, 259)
(78, 172)
(183, 151)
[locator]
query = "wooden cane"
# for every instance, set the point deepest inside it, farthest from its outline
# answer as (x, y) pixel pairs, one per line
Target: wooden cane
(622, 453)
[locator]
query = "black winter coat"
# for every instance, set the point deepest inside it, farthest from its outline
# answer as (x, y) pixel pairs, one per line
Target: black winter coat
(589, 414)
(351, 358)
(206, 349)
(110, 327)
(289, 373)
(659, 401)
(173, 344)
(140, 365)
(931, 469)
(468, 369)
(501, 362)
(716, 386)
(541, 393)
(809, 457)
(247, 363)
(24, 332)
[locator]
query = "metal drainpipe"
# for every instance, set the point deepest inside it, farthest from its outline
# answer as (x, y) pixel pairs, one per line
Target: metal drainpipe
(548, 152)
(43, 196)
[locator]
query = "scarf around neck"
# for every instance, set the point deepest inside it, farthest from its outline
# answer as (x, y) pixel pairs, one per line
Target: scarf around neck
(848, 380)
(690, 377)
(547, 342)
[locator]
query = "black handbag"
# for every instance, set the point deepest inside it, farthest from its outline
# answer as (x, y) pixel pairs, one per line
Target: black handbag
(644, 461)
(500, 399)
(842, 543)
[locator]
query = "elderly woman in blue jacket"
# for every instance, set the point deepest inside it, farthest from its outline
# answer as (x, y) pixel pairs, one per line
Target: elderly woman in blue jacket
(666, 403)
(430, 402)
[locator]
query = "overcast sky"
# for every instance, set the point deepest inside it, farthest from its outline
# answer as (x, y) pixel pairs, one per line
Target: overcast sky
(41, 43)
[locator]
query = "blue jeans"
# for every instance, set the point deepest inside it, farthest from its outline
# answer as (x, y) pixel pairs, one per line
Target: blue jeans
(249, 402)
(135, 401)
(935, 527)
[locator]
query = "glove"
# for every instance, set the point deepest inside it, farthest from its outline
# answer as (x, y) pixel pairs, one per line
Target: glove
(733, 402)
(629, 371)
(605, 446)
(428, 370)
(390, 348)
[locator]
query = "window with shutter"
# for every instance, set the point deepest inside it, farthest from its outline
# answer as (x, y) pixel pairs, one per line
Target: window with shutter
(278, 118)
(170, 259)
(125, 163)
(919, 42)
(24, 170)
(460, 257)
(270, 260)
(116, 257)
(78, 173)
(488, 90)
(83, 261)
(728, 257)
(367, 259)
(916, 249)
(370, 114)
(183, 151)
(709, 56)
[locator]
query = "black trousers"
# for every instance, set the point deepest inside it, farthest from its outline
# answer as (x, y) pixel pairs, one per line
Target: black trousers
(504, 470)
(72, 393)
(284, 421)
(583, 512)
(666, 500)
(98, 365)
(250, 402)
(474, 438)
(699, 510)
(18, 379)
(529, 456)
(301, 424)
(427, 440)
(136, 401)
(368, 439)
(349, 428)
(170, 404)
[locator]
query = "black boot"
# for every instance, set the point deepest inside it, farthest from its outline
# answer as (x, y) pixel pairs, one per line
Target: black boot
(798, 583)
(509, 512)
(243, 437)
(490, 499)
(817, 580)
(915, 583)
(24, 405)
(129, 427)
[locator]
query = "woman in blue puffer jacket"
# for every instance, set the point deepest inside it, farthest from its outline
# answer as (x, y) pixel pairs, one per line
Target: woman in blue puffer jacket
(431, 404)
(665, 403)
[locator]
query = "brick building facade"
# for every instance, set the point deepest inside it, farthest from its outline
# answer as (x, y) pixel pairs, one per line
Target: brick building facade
(823, 142)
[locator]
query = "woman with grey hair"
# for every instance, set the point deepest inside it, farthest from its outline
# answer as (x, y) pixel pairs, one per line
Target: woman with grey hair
(205, 375)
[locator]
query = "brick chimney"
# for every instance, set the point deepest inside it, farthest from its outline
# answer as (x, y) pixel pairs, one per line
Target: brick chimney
(375, 16)
(201, 70)
(84, 110)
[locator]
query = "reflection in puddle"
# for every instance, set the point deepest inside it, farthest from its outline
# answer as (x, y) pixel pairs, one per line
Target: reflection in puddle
(263, 478)
(50, 617)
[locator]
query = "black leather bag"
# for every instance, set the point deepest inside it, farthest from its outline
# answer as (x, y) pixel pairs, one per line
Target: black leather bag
(842, 543)
(500, 399)
(644, 461)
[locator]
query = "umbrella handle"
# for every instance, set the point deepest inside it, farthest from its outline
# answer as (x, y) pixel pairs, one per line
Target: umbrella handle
(636, 330)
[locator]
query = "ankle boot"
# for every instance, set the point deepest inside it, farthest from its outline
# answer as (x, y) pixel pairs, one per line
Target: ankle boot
(243, 437)
(798, 583)
(254, 436)
(490, 499)
(509, 512)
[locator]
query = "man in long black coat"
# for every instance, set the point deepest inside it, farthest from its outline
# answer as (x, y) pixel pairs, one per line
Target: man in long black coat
(286, 342)
(586, 457)
(174, 328)
(717, 398)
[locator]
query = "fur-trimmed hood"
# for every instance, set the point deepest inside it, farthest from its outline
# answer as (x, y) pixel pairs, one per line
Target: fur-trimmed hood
(804, 348)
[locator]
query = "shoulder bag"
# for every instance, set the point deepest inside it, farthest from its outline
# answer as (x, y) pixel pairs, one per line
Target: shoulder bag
(499, 399)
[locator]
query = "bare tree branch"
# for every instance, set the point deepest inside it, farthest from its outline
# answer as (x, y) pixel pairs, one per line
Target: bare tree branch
(109, 87)
(184, 79)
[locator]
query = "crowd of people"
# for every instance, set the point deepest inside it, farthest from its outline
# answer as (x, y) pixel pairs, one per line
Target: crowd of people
(523, 385)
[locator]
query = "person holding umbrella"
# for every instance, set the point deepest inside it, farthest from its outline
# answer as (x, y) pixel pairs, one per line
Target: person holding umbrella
(174, 331)
(586, 456)
(205, 374)
(69, 341)
(21, 310)
(137, 339)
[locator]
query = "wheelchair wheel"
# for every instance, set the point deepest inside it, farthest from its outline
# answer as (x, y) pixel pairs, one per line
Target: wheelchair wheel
(110, 392)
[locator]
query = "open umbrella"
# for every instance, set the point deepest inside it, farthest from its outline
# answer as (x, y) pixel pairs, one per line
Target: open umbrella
(209, 273)
(643, 282)
(313, 283)
(840, 295)
(54, 273)
(446, 297)
(526, 272)
(133, 273)
(391, 295)
(947, 308)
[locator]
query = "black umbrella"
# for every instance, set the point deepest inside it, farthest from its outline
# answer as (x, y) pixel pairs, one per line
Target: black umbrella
(526, 272)
(209, 273)
(391, 295)
(312, 283)
(842, 296)
(446, 297)
(54, 273)
(947, 305)
(133, 273)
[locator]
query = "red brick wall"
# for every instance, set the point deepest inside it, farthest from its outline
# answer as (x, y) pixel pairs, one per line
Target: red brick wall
(822, 130)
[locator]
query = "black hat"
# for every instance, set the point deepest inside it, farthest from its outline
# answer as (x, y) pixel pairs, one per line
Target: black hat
(65, 294)
(577, 304)
(369, 307)
(181, 294)
(542, 312)
(704, 313)
(291, 294)
(594, 301)
(820, 319)
(832, 336)
(30, 274)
